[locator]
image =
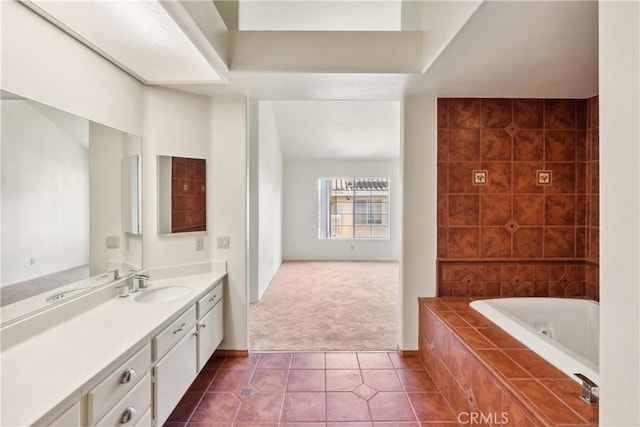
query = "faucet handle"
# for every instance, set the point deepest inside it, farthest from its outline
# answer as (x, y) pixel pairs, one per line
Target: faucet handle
(123, 291)
(139, 281)
(590, 390)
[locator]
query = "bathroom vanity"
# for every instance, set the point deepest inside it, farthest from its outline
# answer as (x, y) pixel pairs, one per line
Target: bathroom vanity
(102, 359)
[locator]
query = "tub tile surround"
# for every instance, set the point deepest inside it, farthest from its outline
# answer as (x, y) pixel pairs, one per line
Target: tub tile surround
(482, 368)
(513, 235)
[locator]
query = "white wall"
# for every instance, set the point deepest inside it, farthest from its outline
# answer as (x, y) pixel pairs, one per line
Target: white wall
(107, 148)
(45, 192)
(253, 197)
(418, 266)
(175, 124)
(270, 199)
(105, 155)
(300, 211)
(227, 197)
(619, 71)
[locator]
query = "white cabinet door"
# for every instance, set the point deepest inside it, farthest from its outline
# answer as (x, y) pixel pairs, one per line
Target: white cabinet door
(71, 417)
(209, 334)
(174, 374)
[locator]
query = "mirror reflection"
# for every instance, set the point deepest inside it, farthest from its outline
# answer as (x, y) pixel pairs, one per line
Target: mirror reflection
(70, 203)
(182, 195)
(131, 189)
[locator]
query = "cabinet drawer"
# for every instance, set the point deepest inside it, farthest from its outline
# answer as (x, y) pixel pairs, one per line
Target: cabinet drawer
(210, 333)
(145, 420)
(132, 407)
(207, 302)
(172, 333)
(116, 385)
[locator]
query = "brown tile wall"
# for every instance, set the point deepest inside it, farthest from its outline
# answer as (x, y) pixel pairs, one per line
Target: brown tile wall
(592, 200)
(511, 279)
(188, 195)
(480, 368)
(518, 237)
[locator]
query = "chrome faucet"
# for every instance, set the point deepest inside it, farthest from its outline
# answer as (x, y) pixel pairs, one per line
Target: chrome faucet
(135, 282)
(116, 274)
(138, 281)
(590, 390)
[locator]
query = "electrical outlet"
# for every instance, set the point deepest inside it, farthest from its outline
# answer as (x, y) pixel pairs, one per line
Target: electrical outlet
(32, 261)
(222, 242)
(113, 242)
(200, 244)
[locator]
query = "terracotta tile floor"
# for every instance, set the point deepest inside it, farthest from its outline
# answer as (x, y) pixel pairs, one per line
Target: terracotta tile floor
(372, 389)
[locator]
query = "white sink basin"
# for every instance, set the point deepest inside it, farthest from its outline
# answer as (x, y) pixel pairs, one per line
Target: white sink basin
(163, 294)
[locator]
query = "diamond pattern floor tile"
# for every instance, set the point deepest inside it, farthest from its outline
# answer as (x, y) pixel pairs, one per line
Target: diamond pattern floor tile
(332, 389)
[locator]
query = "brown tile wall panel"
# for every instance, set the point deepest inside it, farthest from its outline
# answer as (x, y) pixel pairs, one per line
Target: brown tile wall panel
(511, 219)
(188, 195)
(503, 278)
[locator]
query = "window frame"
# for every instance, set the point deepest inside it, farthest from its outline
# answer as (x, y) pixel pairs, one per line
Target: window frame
(370, 215)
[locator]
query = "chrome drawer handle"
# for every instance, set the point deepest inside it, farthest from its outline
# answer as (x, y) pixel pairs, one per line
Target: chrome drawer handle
(181, 328)
(127, 376)
(212, 298)
(128, 414)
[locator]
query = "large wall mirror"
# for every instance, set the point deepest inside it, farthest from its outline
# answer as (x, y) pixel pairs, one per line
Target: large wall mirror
(71, 204)
(182, 195)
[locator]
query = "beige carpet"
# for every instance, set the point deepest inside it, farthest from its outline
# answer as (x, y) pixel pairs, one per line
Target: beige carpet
(323, 306)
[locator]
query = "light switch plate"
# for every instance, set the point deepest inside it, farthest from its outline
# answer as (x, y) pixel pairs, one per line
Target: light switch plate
(113, 242)
(222, 242)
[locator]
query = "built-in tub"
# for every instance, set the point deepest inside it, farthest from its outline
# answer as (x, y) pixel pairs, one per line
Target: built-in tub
(563, 331)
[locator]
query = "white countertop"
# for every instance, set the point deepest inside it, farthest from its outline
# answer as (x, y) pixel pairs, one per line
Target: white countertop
(43, 370)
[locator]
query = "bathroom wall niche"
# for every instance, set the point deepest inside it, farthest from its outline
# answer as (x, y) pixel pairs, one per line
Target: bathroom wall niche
(182, 195)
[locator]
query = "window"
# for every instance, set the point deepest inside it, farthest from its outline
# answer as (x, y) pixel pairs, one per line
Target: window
(351, 208)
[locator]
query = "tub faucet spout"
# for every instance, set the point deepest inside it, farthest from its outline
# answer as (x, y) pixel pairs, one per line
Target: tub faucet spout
(590, 390)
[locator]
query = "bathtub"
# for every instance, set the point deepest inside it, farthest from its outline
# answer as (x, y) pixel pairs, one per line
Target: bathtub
(563, 331)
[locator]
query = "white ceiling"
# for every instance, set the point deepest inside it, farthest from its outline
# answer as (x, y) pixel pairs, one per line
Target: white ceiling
(338, 129)
(537, 49)
(320, 15)
(139, 36)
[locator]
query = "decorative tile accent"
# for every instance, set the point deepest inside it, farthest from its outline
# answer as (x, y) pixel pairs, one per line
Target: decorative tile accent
(365, 392)
(513, 129)
(543, 177)
(512, 226)
(479, 177)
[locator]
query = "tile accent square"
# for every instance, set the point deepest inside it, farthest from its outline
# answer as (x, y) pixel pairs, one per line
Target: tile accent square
(543, 177)
(479, 177)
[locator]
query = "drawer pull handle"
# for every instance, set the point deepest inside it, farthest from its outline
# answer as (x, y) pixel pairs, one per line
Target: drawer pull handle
(180, 328)
(127, 376)
(212, 298)
(128, 414)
